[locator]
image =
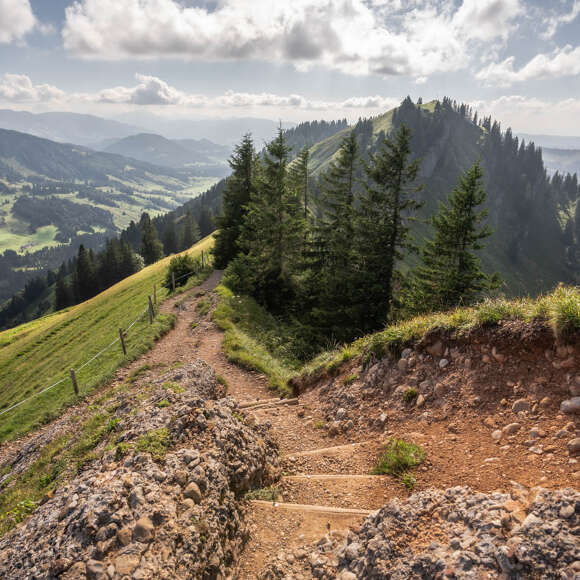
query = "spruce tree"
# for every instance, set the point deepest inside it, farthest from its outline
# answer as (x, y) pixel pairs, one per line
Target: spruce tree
(334, 254)
(383, 237)
(450, 271)
(299, 178)
(151, 247)
(190, 231)
(239, 188)
(272, 233)
(85, 277)
(170, 238)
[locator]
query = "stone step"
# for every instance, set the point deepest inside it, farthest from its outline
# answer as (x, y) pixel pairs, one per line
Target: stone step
(269, 404)
(349, 491)
(304, 508)
(335, 450)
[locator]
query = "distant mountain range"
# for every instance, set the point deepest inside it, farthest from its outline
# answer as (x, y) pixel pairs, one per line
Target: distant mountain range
(552, 141)
(562, 160)
(66, 127)
(201, 155)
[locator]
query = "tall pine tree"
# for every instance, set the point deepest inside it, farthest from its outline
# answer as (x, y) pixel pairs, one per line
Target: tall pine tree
(383, 224)
(450, 273)
(190, 231)
(151, 247)
(239, 188)
(334, 254)
(272, 233)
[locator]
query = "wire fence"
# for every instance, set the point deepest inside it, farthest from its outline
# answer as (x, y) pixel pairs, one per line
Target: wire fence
(122, 335)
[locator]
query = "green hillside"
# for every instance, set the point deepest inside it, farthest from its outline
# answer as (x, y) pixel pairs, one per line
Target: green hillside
(35, 355)
(522, 199)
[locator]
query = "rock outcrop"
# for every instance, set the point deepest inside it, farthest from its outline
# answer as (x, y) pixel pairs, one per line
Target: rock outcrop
(164, 503)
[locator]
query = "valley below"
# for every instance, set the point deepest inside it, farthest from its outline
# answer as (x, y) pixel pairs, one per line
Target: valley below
(202, 472)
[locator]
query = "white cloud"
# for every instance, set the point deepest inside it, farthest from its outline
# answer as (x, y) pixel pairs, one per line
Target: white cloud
(560, 63)
(16, 20)
(388, 37)
(555, 20)
(19, 88)
(533, 115)
(152, 91)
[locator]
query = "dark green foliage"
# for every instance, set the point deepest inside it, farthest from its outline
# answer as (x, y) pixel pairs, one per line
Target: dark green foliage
(387, 205)
(85, 275)
(190, 231)
(151, 247)
(450, 273)
(180, 267)
(299, 178)
(236, 197)
(335, 263)
(272, 235)
(170, 244)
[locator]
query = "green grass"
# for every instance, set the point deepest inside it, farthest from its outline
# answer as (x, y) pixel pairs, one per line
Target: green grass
(155, 442)
(203, 306)
(558, 310)
(398, 458)
(265, 494)
(39, 353)
(254, 339)
(410, 395)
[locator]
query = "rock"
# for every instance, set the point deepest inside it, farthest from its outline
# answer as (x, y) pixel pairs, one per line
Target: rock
(351, 552)
(341, 414)
(126, 563)
(420, 401)
(334, 429)
(500, 358)
(437, 349)
(346, 575)
(536, 433)
(571, 406)
(574, 446)
(407, 352)
(521, 405)
(566, 511)
(144, 530)
(124, 536)
(570, 426)
(496, 435)
(545, 402)
(95, 570)
(511, 429)
(443, 363)
(403, 364)
(192, 492)
(439, 390)
(347, 425)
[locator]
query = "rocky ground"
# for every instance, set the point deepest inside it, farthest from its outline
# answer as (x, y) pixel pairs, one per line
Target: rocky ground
(496, 412)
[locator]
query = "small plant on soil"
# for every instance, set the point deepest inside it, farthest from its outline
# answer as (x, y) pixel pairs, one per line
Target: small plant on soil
(350, 379)
(164, 403)
(239, 417)
(320, 424)
(410, 395)
(138, 373)
(221, 380)
(193, 325)
(399, 457)
(408, 480)
(266, 493)
(121, 450)
(155, 442)
(175, 387)
(203, 306)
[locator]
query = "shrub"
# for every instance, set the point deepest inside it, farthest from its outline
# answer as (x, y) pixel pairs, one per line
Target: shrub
(399, 457)
(180, 266)
(410, 395)
(266, 493)
(350, 379)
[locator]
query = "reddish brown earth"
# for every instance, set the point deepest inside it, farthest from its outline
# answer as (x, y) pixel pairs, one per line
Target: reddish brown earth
(325, 479)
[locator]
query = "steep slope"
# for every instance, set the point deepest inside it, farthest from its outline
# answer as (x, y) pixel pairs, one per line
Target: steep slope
(521, 199)
(39, 353)
(202, 156)
(65, 127)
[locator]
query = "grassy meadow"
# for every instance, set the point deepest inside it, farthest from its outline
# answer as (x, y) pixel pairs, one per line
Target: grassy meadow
(40, 353)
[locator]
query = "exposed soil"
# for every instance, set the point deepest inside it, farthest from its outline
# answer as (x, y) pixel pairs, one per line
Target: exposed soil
(478, 389)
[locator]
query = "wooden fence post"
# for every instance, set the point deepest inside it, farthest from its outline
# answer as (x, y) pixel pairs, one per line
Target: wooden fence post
(73, 377)
(202, 259)
(150, 310)
(122, 337)
(173, 281)
(155, 294)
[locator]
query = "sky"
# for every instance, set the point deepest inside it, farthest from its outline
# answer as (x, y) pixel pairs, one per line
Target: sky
(292, 61)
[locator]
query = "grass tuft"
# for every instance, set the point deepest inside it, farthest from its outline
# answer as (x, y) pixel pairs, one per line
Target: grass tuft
(155, 442)
(399, 457)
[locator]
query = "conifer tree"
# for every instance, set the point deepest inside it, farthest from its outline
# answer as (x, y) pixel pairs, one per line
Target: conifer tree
(85, 276)
(170, 238)
(334, 251)
(450, 272)
(299, 178)
(239, 188)
(383, 224)
(151, 247)
(272, 233)
(190, 231)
